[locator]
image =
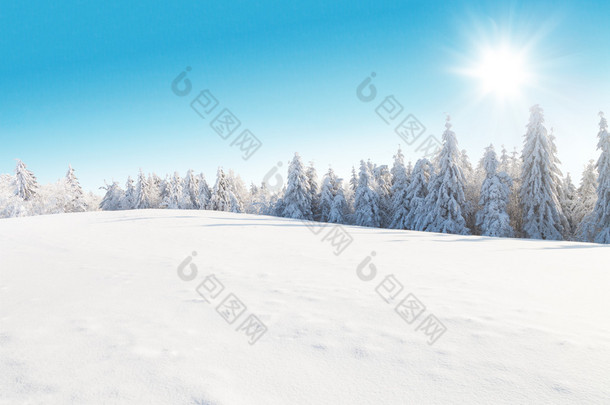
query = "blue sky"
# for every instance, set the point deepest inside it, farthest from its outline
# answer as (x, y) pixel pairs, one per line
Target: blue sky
(89, 83)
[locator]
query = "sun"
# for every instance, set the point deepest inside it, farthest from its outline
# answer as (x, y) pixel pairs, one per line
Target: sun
(501, 72)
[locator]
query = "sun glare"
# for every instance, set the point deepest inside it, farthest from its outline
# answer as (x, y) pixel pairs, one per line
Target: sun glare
(501, 72)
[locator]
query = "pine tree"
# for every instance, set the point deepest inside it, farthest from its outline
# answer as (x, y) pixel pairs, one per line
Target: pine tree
(353, 182)
(445, 201)
(350, 194)
(383, 187)
(143, 192)
(409, 170)
(493, 219)
(332, 201)
(11, 204)
(585, 203)
(312, 184)
(156, 185)
(190, 196)
(558, 182)
(74, 193)
(129, 198)
(400, 183)
(297, 198)
(569, 200)
(514, 209)
(174, 192)
(327, 194)
(601, 211)
(371, 166)
(236, 205)
(472, 190)
(237, 192)
(338, 208)
(221, 195)
(26, 185)
(417, 192)
(113, 197)
(542, 216)
(504, 161)
(250, 203)
(464, 163)
(277, 202)
(366, 200)
(164, 188)
(261, 200)
(204, 192)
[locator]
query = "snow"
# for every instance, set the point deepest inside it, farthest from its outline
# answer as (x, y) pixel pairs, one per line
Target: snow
(92, 311)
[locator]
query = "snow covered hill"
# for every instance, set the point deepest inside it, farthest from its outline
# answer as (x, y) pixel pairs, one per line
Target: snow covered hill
(93, 309)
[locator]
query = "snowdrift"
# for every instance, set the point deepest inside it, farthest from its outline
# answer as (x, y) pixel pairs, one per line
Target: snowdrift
(115, 307)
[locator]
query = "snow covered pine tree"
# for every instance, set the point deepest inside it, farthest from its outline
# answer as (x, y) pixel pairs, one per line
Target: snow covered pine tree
(446, 201)
(400, 183)
(493, 219)
(25, 182)
(366, 201)
(221, 195)
(417, 192)
(74, 193)
(542, 215)
(297, 198)
(601, 211)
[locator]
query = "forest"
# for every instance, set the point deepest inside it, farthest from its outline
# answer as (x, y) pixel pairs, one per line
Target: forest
(505, 195)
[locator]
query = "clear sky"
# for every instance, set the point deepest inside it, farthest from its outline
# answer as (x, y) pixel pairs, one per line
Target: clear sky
(89, 83)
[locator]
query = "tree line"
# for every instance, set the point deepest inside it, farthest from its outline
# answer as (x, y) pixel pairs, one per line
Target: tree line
(507, 195)
(22, 195)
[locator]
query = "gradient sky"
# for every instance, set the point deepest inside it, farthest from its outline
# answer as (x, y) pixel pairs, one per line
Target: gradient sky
(88, 83)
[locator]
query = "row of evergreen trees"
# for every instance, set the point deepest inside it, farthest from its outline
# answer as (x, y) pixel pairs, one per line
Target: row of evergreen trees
(21, 195)
(506, 196)
(191, 192)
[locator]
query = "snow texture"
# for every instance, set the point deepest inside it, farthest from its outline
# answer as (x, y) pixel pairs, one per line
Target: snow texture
(92, 311)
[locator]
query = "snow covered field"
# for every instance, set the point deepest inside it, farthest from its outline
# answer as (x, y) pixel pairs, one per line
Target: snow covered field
(92, 310)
